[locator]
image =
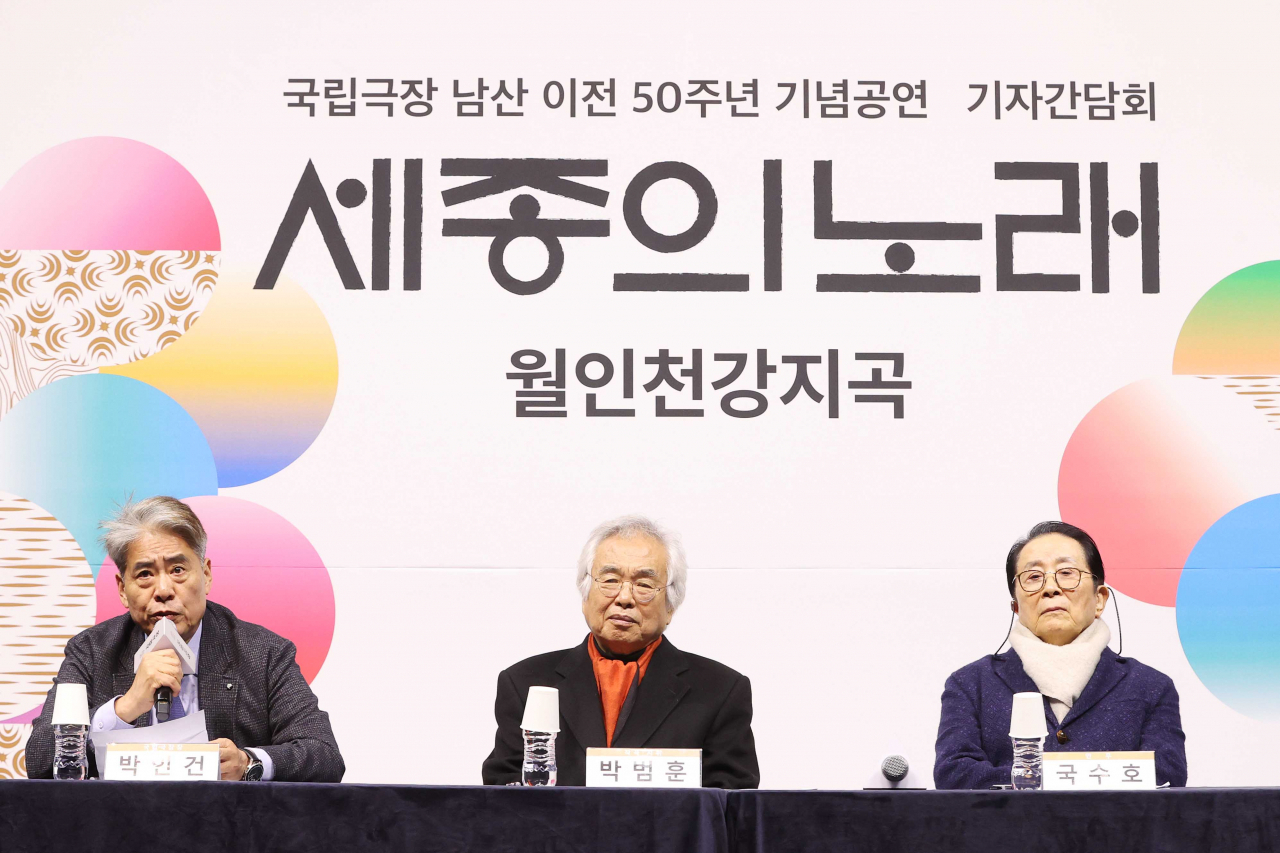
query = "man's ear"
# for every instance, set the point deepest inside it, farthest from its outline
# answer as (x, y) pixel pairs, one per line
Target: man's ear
(1013, 605)
(120, 590)
(1104, 592)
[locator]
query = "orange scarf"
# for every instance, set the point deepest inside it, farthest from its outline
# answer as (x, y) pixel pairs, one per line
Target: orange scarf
(613, 680)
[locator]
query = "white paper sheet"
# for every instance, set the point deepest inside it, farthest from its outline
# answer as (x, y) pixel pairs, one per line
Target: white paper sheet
(188, 729)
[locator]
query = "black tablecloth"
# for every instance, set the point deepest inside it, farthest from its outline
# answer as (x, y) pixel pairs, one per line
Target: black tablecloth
(1205, 820)
(194, 817)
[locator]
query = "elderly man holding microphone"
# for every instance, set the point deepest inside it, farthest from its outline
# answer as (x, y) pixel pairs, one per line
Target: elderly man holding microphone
(626, 685)
(1095, 700)
(258, 708)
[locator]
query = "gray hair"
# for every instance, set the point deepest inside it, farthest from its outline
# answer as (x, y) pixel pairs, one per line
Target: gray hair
(165, 514)
(626, 527)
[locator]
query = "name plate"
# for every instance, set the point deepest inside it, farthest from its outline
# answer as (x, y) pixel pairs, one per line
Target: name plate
(1099, 771)
(644, 768)
(156, 762)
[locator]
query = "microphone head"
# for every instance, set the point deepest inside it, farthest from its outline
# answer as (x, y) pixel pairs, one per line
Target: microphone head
(165, 636)
(894, 768)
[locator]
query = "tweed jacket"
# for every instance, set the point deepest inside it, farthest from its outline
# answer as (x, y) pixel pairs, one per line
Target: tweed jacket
(684, 702)
(1125, 705)
(250, 688)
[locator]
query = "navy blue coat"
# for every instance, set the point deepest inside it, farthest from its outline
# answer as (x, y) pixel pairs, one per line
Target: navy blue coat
(1125, 706)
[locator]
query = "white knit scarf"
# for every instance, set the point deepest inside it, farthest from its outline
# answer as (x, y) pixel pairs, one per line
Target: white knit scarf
(1061, 672)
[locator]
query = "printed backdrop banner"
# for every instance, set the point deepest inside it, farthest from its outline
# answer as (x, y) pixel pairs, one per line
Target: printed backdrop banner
(406, 298)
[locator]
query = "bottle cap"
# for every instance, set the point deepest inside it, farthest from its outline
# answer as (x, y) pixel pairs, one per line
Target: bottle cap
(71, 705)
(1028, 716)
(542, 710)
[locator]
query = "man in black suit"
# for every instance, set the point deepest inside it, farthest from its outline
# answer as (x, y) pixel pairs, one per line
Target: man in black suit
(258, 707)
(627, 685)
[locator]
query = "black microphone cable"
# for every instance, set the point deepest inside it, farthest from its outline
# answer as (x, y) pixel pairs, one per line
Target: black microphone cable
(1115, 605)
(1007, 634)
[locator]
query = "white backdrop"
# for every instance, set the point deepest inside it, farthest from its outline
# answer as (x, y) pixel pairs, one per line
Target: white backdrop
(847, 565)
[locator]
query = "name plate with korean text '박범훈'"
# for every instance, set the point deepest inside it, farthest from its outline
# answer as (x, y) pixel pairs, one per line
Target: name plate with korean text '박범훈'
(1099, 771)
(160, 762)
(644, 768)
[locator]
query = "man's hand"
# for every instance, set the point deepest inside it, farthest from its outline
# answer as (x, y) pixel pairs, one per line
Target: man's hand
(232, 760)
(158, 669)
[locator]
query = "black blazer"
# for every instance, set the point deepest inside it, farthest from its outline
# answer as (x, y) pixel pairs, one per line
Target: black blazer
(251, 692)
(685, 702)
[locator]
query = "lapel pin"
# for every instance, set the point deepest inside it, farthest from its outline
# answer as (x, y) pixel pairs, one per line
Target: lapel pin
(230, 686)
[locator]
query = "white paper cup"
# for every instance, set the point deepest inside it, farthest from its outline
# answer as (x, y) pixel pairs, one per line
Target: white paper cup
(71, 705)
(1028, 716)
(542, 710)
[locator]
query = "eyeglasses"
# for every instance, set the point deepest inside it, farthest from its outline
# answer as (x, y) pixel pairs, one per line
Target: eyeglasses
(644, 589)
(1067, 579)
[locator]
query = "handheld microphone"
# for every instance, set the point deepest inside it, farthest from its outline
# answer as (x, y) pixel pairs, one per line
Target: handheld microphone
(164, 704)
(165, 636)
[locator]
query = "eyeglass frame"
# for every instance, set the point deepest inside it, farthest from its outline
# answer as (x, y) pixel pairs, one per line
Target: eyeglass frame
(634, 589)
(1058, 583)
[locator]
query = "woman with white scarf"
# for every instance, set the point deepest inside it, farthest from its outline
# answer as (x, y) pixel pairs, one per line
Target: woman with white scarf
(1094, 699)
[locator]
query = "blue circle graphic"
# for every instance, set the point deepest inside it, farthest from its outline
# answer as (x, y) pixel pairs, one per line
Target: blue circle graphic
(1228, 608)
(81, 445)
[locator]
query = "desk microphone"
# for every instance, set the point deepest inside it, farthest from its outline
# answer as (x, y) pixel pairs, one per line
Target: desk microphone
(894, 768)
(165, 636)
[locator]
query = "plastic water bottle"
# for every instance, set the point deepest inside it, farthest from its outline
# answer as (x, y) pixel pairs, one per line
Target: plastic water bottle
(70, 760)
(1027, 755)
(539, 766)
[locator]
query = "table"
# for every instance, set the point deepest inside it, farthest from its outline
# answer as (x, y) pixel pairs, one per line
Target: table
(1195, 820)
(192, 817)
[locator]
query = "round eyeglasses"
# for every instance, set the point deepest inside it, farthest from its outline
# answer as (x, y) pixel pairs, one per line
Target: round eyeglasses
(1067, 579)
(644, 589)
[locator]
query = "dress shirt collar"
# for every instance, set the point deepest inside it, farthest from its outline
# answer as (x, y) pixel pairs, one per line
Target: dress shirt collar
(194, 645)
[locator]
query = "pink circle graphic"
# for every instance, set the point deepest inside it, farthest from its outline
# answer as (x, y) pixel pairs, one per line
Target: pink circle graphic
(106, 192)
(1153, 466)
(264, 569)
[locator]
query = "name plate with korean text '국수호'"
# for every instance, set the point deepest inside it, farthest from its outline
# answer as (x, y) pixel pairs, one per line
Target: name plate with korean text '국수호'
(1099, 771)
(644, 768)
(157, 762)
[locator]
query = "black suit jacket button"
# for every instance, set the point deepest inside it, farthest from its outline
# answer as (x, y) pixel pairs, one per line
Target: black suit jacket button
(1062, 736)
